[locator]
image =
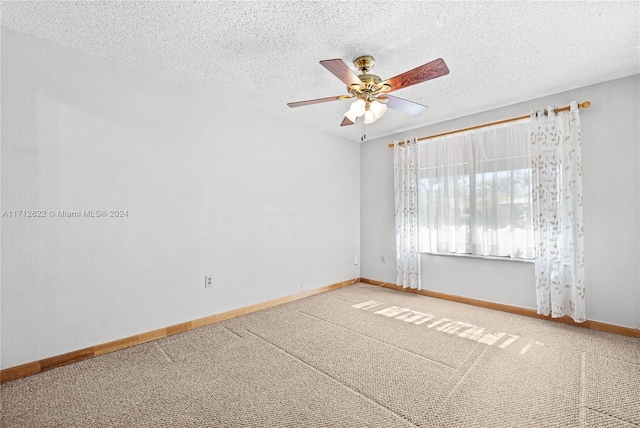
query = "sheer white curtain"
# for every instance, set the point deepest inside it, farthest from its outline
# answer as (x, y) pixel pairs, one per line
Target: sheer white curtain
(475, 192)
(405, 165)
(557, 206)
(445, 171)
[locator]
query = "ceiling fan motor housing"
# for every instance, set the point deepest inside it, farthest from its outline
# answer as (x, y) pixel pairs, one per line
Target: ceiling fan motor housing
(370, 80)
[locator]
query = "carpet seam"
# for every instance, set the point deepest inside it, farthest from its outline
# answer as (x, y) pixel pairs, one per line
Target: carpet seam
(232, 332)
(583, 392)
(163, 352)
(611, 416)
(342, 299)
(379, 341)
(470, 355)
(370, 399)
(462, 377)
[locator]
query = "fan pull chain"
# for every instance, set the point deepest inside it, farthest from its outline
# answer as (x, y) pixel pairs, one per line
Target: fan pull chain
(364, 135)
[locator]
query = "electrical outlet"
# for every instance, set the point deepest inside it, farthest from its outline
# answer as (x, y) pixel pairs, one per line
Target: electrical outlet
(383, 258)
(208, 281)
(355, 261)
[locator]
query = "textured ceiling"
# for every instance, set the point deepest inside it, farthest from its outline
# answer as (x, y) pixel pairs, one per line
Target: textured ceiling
(266, 53)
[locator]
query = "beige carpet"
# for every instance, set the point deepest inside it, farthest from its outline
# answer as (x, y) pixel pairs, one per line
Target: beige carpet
(361, 356)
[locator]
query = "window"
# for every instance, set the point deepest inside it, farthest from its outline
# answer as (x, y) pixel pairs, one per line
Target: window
(474, 193)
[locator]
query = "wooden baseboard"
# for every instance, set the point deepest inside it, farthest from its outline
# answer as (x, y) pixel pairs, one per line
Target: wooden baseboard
(27, 369)
(593, 325)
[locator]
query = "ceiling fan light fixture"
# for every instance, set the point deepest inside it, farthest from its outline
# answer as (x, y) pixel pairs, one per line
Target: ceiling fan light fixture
(378, 108)
(358, 107)
(369, 117)
(351, 115)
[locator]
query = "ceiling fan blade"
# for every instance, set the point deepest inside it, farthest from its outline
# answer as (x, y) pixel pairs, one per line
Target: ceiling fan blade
(346, 121)
(342, 71)
(428, 71)
(316, 101)
(405, 106)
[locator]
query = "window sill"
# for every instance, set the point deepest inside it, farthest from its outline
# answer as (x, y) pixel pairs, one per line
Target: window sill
(473, 256)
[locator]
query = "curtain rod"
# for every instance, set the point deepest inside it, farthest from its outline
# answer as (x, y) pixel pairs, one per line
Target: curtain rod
(585, 104)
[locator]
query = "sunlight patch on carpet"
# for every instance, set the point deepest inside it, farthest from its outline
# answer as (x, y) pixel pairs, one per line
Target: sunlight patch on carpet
(445, 325)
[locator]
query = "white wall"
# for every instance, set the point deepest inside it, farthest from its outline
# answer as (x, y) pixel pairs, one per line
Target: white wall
(611, 161)
(267, 207)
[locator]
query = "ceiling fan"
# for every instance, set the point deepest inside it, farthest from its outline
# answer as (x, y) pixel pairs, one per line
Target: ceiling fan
(371, 92)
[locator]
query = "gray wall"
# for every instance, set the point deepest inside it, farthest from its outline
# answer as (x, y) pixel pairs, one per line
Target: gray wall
(269, 208)
(611, 161)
